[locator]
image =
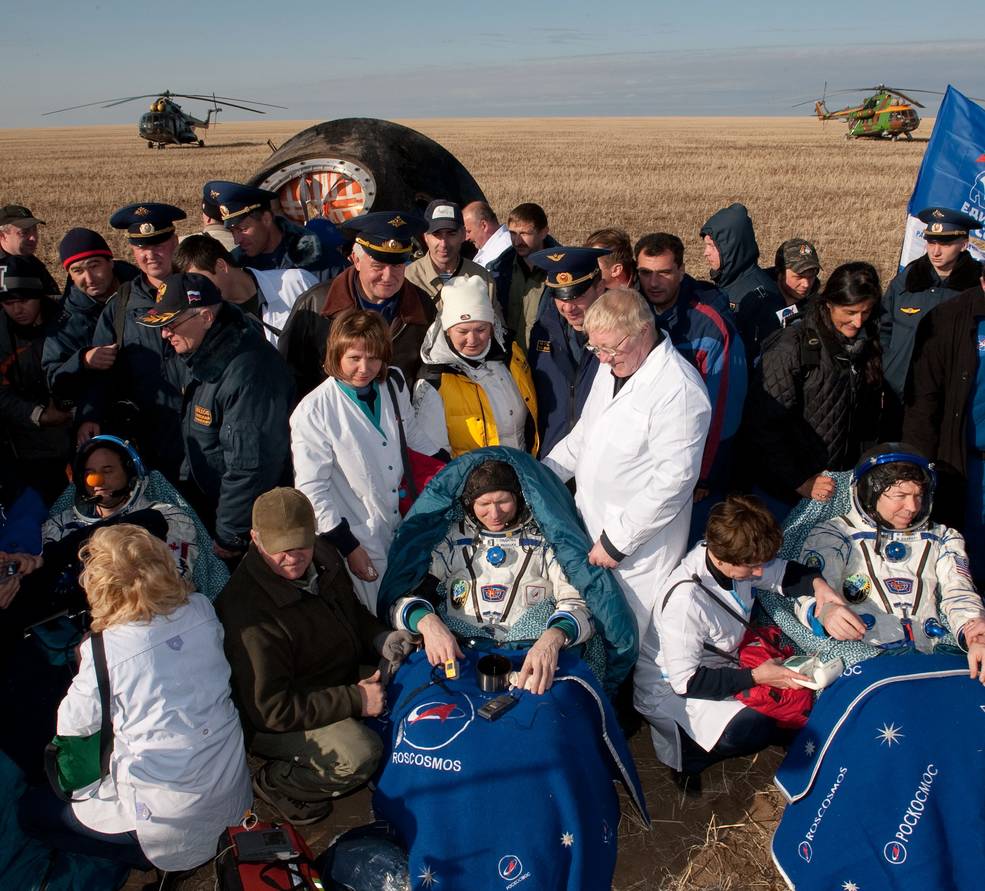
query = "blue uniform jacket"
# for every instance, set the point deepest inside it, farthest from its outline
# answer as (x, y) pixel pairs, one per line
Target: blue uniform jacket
(145, 373)
(65, 346)
(562, 381)
(915, 291)
(235, 421)
(704, 332)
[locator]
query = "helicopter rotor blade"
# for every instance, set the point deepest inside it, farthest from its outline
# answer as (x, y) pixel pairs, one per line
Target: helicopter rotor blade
(167, 94)
(229, 101)
(211, 97)
(134, 98)
(105, 103)
(226, 103)
(251, 101)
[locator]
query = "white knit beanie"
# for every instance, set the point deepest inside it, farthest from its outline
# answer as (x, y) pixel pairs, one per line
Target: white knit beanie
(465, 298)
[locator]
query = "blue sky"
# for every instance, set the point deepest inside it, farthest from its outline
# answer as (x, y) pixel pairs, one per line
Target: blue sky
(432, 59)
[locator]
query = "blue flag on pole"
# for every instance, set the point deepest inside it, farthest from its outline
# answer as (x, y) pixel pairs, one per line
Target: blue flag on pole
(952, 173)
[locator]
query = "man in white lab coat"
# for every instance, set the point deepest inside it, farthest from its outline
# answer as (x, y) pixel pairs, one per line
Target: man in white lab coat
(636, 451)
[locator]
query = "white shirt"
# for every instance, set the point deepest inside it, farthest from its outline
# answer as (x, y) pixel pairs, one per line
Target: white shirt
(498, 242)
(279, 290)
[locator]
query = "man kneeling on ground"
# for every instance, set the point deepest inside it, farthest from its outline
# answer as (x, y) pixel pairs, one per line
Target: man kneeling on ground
(298, 642)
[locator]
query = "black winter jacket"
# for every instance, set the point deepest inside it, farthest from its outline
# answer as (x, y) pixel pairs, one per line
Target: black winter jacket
(235, 421)
(945, 361)
(810, 406)
(23, 388)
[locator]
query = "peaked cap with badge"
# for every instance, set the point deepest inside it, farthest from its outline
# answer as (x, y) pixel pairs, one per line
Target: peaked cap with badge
(386, 235)
(570, 270)
(177, 294)
(147, 223)
(236, 200)
(944, 224)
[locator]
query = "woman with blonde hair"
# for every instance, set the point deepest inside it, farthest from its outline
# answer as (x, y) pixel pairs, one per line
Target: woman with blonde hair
(346, 443)
(177, 775)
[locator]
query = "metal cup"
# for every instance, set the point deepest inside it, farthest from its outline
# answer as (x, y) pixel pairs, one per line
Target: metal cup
(493, 671)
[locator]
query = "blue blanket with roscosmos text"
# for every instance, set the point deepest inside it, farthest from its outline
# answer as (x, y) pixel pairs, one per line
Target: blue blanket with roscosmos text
(886, 783)
(527, 801)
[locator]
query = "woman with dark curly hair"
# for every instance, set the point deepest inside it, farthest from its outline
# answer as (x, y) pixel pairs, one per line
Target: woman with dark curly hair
(815, 399)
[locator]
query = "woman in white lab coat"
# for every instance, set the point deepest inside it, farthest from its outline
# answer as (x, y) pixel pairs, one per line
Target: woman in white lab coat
(177, 773)
(345, 441)
(688, 676)
(636, 451)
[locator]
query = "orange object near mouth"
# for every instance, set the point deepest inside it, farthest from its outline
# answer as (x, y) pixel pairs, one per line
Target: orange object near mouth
(94, 479)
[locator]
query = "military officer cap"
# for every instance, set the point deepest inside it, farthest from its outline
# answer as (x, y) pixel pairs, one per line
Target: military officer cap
(209, 206)
(944, 224)
(235, 200)
(149, 223)
(387, 235)
(570, 270)
(20, 278)
(177, 294)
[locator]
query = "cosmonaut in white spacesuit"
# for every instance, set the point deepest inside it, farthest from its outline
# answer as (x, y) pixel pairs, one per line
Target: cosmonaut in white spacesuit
(894, 566)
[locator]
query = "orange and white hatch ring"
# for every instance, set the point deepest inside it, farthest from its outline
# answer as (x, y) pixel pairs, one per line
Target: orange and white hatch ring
(324, 187)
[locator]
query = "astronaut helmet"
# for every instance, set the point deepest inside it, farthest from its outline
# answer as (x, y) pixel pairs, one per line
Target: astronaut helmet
(883, 466)
(133, 467)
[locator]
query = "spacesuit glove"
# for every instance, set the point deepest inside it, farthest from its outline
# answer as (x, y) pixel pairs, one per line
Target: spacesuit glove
(537, 671)
(439, 643)
(396, 646)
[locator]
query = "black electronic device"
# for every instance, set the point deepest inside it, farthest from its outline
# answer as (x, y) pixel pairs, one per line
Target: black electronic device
(496, 708)
(262, 846)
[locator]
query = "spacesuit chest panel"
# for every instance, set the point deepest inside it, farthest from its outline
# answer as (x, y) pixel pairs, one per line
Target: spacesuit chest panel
(496, 578)
(894, 588)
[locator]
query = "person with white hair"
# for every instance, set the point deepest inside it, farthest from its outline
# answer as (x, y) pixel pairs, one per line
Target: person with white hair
(475, 384)
(635, 453)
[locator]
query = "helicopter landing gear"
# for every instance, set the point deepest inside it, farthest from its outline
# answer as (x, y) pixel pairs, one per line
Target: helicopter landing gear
(201, 143)
(150, 145)
(909, 136)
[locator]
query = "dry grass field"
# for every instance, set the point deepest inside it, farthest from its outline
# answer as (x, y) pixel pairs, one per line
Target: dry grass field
(645, 174)
(796, 177)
